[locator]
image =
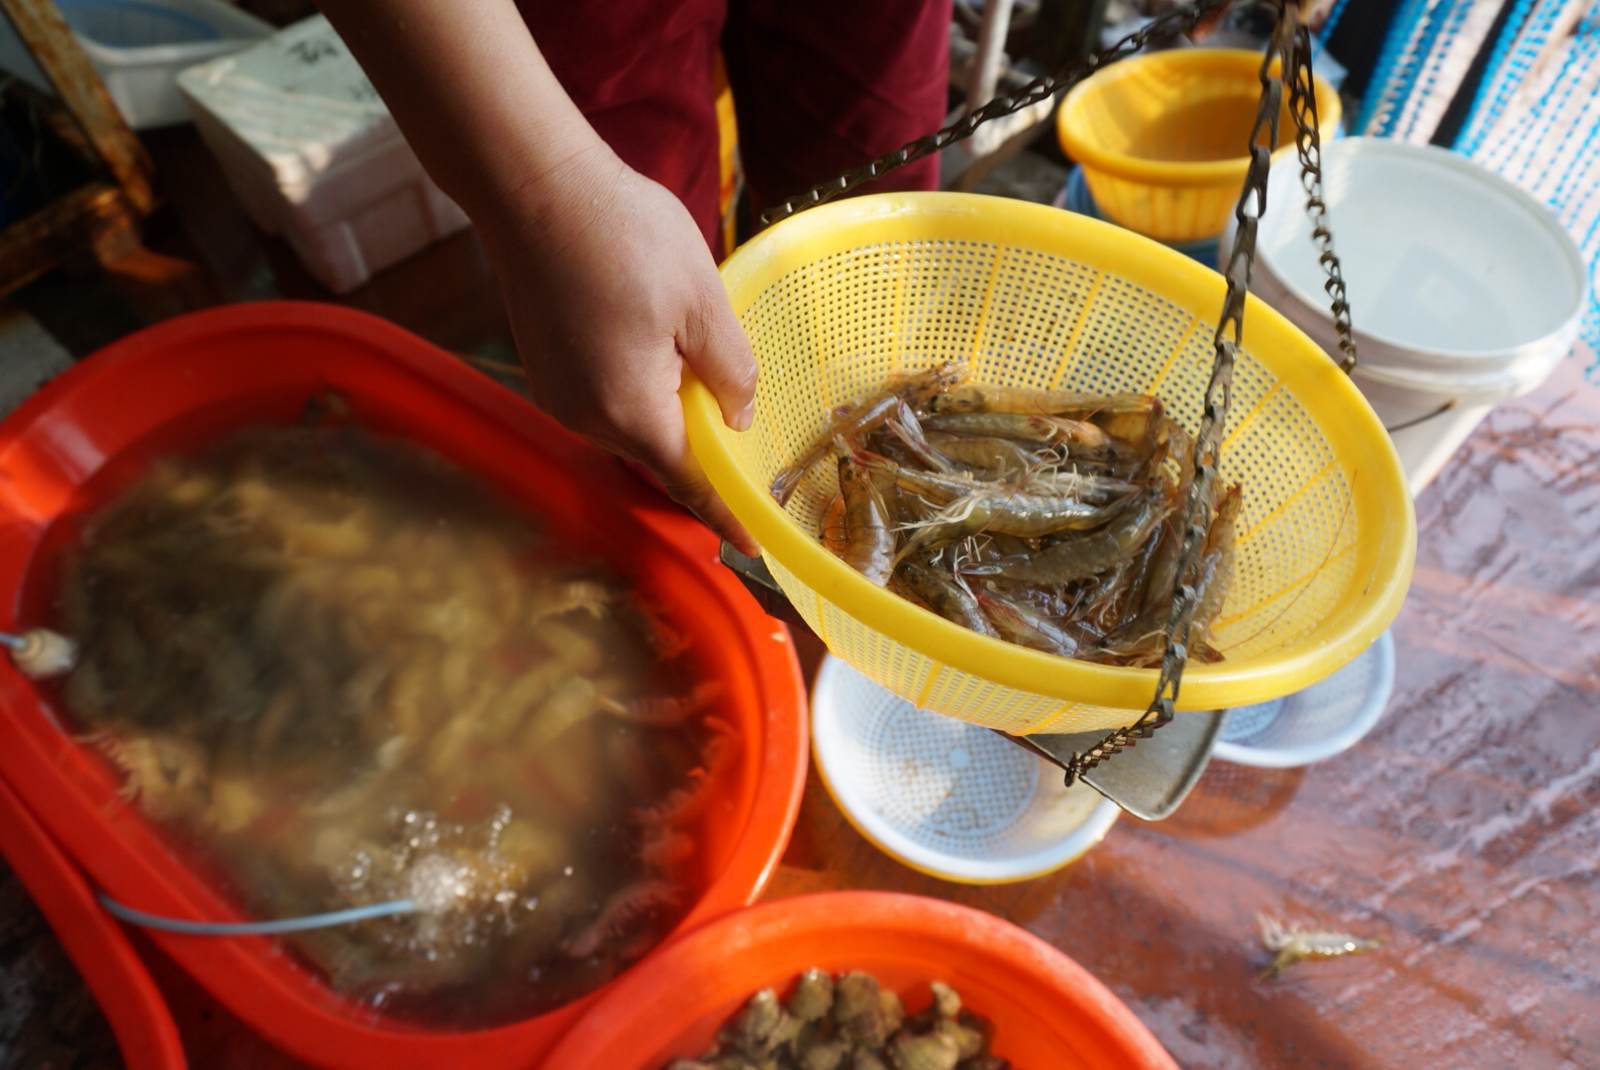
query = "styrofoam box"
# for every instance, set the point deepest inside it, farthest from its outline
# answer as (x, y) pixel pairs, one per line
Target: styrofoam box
(139, 46)
(313, 154)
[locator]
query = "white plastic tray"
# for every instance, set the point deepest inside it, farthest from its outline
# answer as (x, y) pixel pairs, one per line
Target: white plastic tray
(941, 796)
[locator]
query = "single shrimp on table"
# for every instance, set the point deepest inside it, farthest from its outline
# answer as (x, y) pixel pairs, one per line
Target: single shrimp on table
(1290, 946)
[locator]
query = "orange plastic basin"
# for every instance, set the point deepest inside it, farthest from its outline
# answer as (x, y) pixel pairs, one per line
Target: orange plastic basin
(97, 946)
(1048, 1012)
(192, 379)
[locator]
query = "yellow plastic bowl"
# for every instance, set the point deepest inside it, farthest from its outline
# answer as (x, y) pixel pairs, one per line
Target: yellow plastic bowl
(838, 298)
(1163, 138)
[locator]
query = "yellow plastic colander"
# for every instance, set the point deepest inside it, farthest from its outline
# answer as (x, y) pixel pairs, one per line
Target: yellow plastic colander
(838, 298)
(1163, 138)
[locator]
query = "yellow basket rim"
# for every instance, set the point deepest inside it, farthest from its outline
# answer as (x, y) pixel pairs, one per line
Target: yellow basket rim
(1273, 342)
(1089, 153)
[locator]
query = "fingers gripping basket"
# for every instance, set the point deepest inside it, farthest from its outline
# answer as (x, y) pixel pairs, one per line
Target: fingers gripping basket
(838, 298)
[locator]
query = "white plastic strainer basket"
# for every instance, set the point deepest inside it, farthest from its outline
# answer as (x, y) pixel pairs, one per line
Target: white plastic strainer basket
(1315, 724)
(943, 796)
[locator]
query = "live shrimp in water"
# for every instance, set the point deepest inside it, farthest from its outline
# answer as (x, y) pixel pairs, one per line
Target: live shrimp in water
(337, 671)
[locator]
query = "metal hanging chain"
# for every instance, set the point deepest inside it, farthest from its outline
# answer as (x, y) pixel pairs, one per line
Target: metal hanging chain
(1308, 143)
(1289, 51)
(1179, 20)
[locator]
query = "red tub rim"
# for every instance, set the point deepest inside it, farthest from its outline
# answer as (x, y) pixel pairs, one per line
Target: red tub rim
(104, 956)
(1123, 1037)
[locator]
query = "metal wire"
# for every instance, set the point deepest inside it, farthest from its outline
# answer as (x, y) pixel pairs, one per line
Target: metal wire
(1180, 20)
(257, 928)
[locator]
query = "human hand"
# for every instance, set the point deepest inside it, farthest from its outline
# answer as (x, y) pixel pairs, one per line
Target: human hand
(611, 293)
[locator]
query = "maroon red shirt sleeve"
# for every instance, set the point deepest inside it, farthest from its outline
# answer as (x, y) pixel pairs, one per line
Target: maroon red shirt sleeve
(820, 86)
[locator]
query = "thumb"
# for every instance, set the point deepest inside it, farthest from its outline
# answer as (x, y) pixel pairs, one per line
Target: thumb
(659, 443)
(716, 349)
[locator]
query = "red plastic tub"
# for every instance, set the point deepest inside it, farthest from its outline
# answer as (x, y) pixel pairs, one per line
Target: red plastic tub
(192, 379)
(97, 946)
(1048, 1012)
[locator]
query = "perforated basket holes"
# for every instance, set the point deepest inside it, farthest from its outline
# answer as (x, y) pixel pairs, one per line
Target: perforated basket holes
(1296, 531)
(942, 302)
(947, 788)
(889, 663)
(972, 698)
(928, 685)
(942, 783)
(1035, 305)
(1125, 340)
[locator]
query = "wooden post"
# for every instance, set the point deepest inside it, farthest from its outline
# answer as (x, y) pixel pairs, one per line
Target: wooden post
(47, 36)
(99, 218)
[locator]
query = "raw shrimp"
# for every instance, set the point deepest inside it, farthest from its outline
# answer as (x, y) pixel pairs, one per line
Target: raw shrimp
(168, 776)
(1025, 626)
(945, 596)
(1081, 556)
(937, 488)
(1113, 599)
(866, 416)
(1067, 502)
(664, 711)
(1044, 430)
(1161, 576)
(1062, 507)
(833, 532)
(1008, 512)
(982, 397)
(594, 597)
(1051, 601)
(1133, 427)
(350, 673)
(1101, 598)
(906, 428)
(620, 913)
(1090, 487)
(1216, 569)
(990, 456)
(1292, 945)
(868, 528)
(1141, 640)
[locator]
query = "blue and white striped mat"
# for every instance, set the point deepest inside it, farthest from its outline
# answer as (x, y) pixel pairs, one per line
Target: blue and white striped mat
(1535, 117)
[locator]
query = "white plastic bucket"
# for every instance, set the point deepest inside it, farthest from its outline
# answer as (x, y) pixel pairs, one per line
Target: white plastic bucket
(1464, 290)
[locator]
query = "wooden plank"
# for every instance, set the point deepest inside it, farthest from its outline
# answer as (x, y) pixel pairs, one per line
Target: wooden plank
(95, 218)
(47, 36)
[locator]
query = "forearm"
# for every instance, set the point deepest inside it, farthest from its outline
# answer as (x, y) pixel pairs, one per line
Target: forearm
(566, 226)
(472, 94)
